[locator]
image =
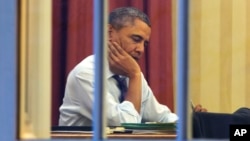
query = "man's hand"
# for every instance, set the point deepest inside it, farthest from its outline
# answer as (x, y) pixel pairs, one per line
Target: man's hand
(199, 108)
(121, 62)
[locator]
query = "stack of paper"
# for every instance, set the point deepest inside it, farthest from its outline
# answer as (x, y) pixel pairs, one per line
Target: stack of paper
(150, 127)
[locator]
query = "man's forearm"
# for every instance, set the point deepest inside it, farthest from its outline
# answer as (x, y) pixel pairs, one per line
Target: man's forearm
(134, 91)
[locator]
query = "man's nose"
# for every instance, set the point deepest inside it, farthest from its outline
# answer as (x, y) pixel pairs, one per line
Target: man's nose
(140, 48)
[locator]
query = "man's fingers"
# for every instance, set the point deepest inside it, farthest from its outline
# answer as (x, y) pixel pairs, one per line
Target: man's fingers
(112, 50)
(118, 48)
(203, 110)
(198, 108)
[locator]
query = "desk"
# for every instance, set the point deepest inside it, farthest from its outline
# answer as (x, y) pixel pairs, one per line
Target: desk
(72, 135)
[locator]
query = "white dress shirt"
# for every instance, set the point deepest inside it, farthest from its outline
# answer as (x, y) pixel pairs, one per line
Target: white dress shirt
(77, 106)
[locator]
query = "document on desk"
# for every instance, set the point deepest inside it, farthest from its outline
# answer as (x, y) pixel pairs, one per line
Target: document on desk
(87, 129)
(150, 127)
(128, 128)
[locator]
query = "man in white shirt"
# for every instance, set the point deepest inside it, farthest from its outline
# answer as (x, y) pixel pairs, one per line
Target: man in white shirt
(129, 31)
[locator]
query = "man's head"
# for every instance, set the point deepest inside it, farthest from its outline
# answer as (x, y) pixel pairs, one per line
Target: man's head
(119, 17)
(131, 29)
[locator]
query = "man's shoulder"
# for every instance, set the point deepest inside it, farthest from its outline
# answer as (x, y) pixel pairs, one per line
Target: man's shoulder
(86, 65)
(88, 61)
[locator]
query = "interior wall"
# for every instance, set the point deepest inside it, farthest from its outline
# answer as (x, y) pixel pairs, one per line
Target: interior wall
(219, 56)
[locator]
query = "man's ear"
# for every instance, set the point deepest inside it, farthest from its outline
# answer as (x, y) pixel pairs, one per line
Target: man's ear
(110, 30)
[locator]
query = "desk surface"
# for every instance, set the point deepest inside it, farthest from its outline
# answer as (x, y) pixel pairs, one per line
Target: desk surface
(57, 135)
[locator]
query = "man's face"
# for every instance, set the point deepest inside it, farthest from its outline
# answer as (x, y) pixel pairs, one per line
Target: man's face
(133, 38)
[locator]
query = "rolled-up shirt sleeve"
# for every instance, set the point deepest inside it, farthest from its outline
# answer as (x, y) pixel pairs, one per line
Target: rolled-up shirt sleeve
(157, 112)
(152, 110)
(124, 112)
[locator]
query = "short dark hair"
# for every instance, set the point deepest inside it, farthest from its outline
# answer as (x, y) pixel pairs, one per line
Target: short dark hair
(120, 16)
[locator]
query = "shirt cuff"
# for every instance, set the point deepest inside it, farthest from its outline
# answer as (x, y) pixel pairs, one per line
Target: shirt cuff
(129, 108)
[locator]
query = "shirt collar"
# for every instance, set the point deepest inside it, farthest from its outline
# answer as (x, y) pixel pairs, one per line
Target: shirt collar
(109, 74)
